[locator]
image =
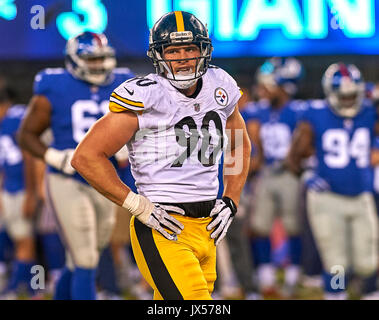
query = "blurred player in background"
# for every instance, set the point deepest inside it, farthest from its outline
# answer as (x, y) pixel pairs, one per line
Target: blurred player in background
(6, 250)
(118, 274)
(372, 93)
(270, 124)
(175, 124)
(108, 272)
(236, 248)
(340, 203)
(19, 196)
(52, 251)
(69, 101)
(6, 244)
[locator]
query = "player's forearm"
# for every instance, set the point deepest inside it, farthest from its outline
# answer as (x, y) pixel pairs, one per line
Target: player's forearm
(30, 174)
(31, 143)
(293, 161)
(238, 169)
(375, 157)
(299, 150)
(301, 147)
(36, 121)
(40, 169)
(99, 172)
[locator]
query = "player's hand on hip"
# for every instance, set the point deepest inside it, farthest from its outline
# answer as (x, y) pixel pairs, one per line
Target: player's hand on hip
(222, 213)
(160, 220)
(152, 215)
(60, 159)
(316, 183)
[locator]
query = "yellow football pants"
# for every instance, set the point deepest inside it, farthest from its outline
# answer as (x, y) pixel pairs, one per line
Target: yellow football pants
(176, 270)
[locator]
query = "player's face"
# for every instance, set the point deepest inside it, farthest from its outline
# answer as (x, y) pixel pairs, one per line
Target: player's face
(347, 101)
(95, 65)
(270, 92)
(262, 92)
(182, 58)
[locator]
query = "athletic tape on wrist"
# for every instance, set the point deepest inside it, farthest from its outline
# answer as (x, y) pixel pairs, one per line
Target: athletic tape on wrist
(139, 206)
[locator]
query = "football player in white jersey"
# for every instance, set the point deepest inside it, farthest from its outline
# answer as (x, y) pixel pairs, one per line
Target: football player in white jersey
(175, 124)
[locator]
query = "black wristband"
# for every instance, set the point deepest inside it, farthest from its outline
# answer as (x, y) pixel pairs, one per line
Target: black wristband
(231, 205)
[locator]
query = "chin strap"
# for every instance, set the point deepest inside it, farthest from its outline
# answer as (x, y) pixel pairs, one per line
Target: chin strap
(183, 84)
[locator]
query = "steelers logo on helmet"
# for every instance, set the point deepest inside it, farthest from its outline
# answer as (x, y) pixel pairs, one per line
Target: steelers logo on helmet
(175, 29)
(221, 97)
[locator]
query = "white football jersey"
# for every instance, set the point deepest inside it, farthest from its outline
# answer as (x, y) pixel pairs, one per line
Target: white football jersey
(175, 154)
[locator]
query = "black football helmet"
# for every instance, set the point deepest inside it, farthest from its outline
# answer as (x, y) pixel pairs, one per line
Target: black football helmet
(175, 28)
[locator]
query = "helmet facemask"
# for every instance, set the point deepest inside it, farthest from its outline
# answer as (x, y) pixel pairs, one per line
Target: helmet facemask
(346, 101)
(93, 67)
(184, 79)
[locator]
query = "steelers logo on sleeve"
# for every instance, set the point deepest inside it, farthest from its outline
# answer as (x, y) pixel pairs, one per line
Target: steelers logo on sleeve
(221, 97)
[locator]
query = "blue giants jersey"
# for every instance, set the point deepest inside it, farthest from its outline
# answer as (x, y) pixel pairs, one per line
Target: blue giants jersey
(126, 176)
(75, 104)
(11, 159)
(343, 147)
(276, 128)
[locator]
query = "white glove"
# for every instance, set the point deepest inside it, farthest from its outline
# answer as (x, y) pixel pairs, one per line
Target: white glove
(60, 159)
(154, 216)
(222, 213)
(160, 219)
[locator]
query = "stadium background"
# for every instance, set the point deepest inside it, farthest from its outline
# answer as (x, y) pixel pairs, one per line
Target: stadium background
(25, 50)
(346, 30)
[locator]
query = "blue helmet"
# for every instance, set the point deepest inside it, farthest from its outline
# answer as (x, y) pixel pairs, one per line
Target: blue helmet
(344, 89)
(90, 58)
(283, 72)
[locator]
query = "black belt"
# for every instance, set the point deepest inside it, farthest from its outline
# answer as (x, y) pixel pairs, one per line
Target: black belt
(200, 209)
